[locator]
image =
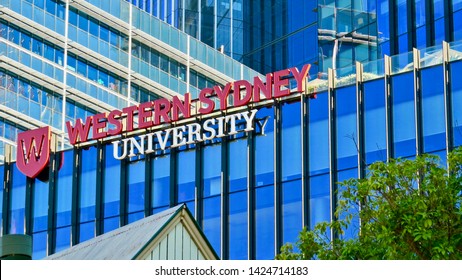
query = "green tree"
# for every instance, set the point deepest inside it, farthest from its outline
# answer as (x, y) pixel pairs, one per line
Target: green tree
(408, 209)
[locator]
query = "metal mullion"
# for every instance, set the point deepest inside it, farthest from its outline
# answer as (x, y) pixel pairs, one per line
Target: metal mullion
(429, 22)
(332, 147)
(6, 189)
(28, 208)
(447, 99)
(99, 211)
(278, 234)
(148, 167)
(304, 101)
(388, 108)
(411, 17)
(173, 177)
(392, 6)
(224, 198)
(77, 160)
(251, 232)
(199, 185)
(123, 192)
(418, 103)
(360, 116)
(55, 160)
(448, 21)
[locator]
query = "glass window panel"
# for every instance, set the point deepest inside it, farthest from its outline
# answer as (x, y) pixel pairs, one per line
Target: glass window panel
(403, 115)
(237, 162)
(264, 149)
(111, 224)
(319, 199)
(63, 239)
(238, 226)
(456, 90)
(136, 178)
(40, 206)
(186, 175)
(374, 121)
(291, 210)
(111, 183)
(88, 184)
(39, 245)
(64, 189)
(86, 231)
(133, 217)
(212, 170)
(291, 142)
(353, 229)
(319, 134)
(161, 181)
(402, 15)
(211, 223)
(264, 222)
(18, 202)
(347, 141)
(434, 132)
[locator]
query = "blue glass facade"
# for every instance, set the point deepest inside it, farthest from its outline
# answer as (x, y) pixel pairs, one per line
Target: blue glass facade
(250, 192)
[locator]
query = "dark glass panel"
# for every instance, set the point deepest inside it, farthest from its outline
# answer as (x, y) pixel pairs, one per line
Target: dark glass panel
(291, 210)
(375, 121)
(238, 226)
(434, 132)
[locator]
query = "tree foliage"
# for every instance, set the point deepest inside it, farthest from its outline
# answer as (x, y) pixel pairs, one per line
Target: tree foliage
(408, 209)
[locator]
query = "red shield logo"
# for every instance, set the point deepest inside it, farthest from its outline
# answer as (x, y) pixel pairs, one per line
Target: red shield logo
(33, 152)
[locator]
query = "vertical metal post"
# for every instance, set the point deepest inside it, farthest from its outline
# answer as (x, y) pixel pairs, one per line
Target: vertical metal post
(7, 187)
(418, 102)
(278, 223)
(332, 146)
(304, 103)
(99, 203)
(251, 235)
(389, 108)
(75, 196)
(224, 198)
(360, 120)
(447, 99)
(148, 168)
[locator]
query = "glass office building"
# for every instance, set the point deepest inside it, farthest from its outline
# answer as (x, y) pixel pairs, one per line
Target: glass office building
(250, 192)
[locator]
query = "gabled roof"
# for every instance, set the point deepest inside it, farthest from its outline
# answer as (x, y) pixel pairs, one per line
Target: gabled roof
(138, 240)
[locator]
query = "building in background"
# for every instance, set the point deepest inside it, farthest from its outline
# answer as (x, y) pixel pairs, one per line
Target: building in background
(252, 191)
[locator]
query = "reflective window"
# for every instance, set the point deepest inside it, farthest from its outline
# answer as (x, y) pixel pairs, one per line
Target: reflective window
(40, 205)
(403, 115)
(238, 226)
(347, 139)
(111, 224)
(319, 199)
(291, 210)
(456, 90)
(88, 184)
(237, 164)
(264, 149)
(186, 175)
(111, 183)
(63, 239)
(353, 229)
(211, 223)
(318, 134)
(2, 179)
(18, 202)
(434, 136)
(64, 190)
(264, 222)
(212, 170)
(161, 181)
(135, 184)
(291, 142)
(86, 231)
(39, 245)
(374, 121)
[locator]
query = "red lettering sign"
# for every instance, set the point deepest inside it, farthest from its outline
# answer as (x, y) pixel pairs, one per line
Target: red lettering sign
(33, 152)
